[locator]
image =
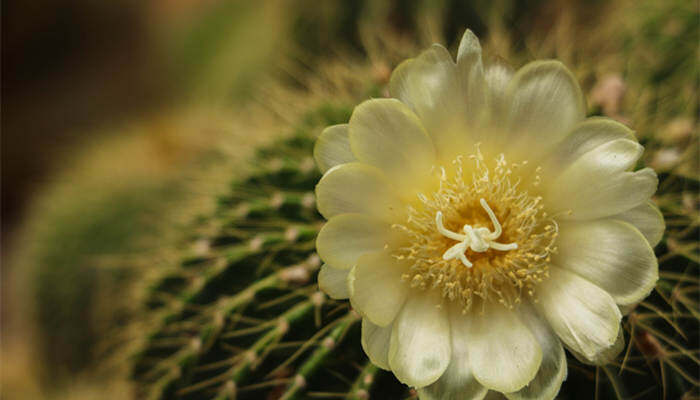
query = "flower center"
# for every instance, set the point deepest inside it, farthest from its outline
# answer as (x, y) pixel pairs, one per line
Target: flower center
(504, 238)
(479, 239)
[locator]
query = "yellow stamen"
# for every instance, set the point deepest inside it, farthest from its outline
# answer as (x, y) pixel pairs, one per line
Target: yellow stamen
(477, 267)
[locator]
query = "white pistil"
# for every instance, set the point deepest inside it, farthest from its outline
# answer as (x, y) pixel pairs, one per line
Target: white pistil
(476, 239)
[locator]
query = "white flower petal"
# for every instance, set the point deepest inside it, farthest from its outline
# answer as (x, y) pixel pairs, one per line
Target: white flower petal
(586, 136)
(583, 315)
(333, 148)
(598, 184)
(606, 356)
(625, 310)
(357, 188)
(430, 85)
(611, 254)
(497, 77)
(553, 370)
(334, 282)
(375, 342)
(376, 288)
(546, 102)
(648, 219)
(471, 76)
(387, 134)
(503, 353)
(344, 238)
(458, 382)
(401, 86)
(420, 341)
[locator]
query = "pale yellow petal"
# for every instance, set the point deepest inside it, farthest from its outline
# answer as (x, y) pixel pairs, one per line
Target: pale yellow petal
(344, 238)
(430, 85)
(648, 219)
(585, 137)
(420, 347)
(584, 316)
(357, 188)
(553, 370)
(611, 254)
(333, 147)
(497, 77)
(503, 353)
(375, 342)
(458, 382)
(376, 289)
(471, 76)
(387, 134)
(598, 184)
(400, 85)
(334, 282)
(546, 102)
(606, 356)
(625, 310)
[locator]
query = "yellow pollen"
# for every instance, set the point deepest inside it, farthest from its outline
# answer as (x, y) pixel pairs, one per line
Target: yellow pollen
(499, 265)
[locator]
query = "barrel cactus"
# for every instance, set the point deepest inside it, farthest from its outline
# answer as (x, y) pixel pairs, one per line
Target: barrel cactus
(238, 313)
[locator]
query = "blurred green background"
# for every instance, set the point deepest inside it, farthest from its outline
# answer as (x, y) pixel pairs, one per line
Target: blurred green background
(122, 120)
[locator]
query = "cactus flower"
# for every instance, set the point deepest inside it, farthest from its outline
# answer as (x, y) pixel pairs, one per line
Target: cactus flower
(480, 224)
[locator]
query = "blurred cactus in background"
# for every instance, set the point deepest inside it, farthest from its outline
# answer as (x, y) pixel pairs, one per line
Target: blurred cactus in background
(175, 258)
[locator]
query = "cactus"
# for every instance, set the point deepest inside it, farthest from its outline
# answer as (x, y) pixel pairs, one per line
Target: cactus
(240, 316)
(88, 231)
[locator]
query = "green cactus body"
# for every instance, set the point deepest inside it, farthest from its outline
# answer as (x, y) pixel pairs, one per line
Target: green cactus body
(241, 317)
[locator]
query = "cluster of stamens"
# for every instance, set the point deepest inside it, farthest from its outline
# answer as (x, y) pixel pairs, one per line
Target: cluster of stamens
(501, 264)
